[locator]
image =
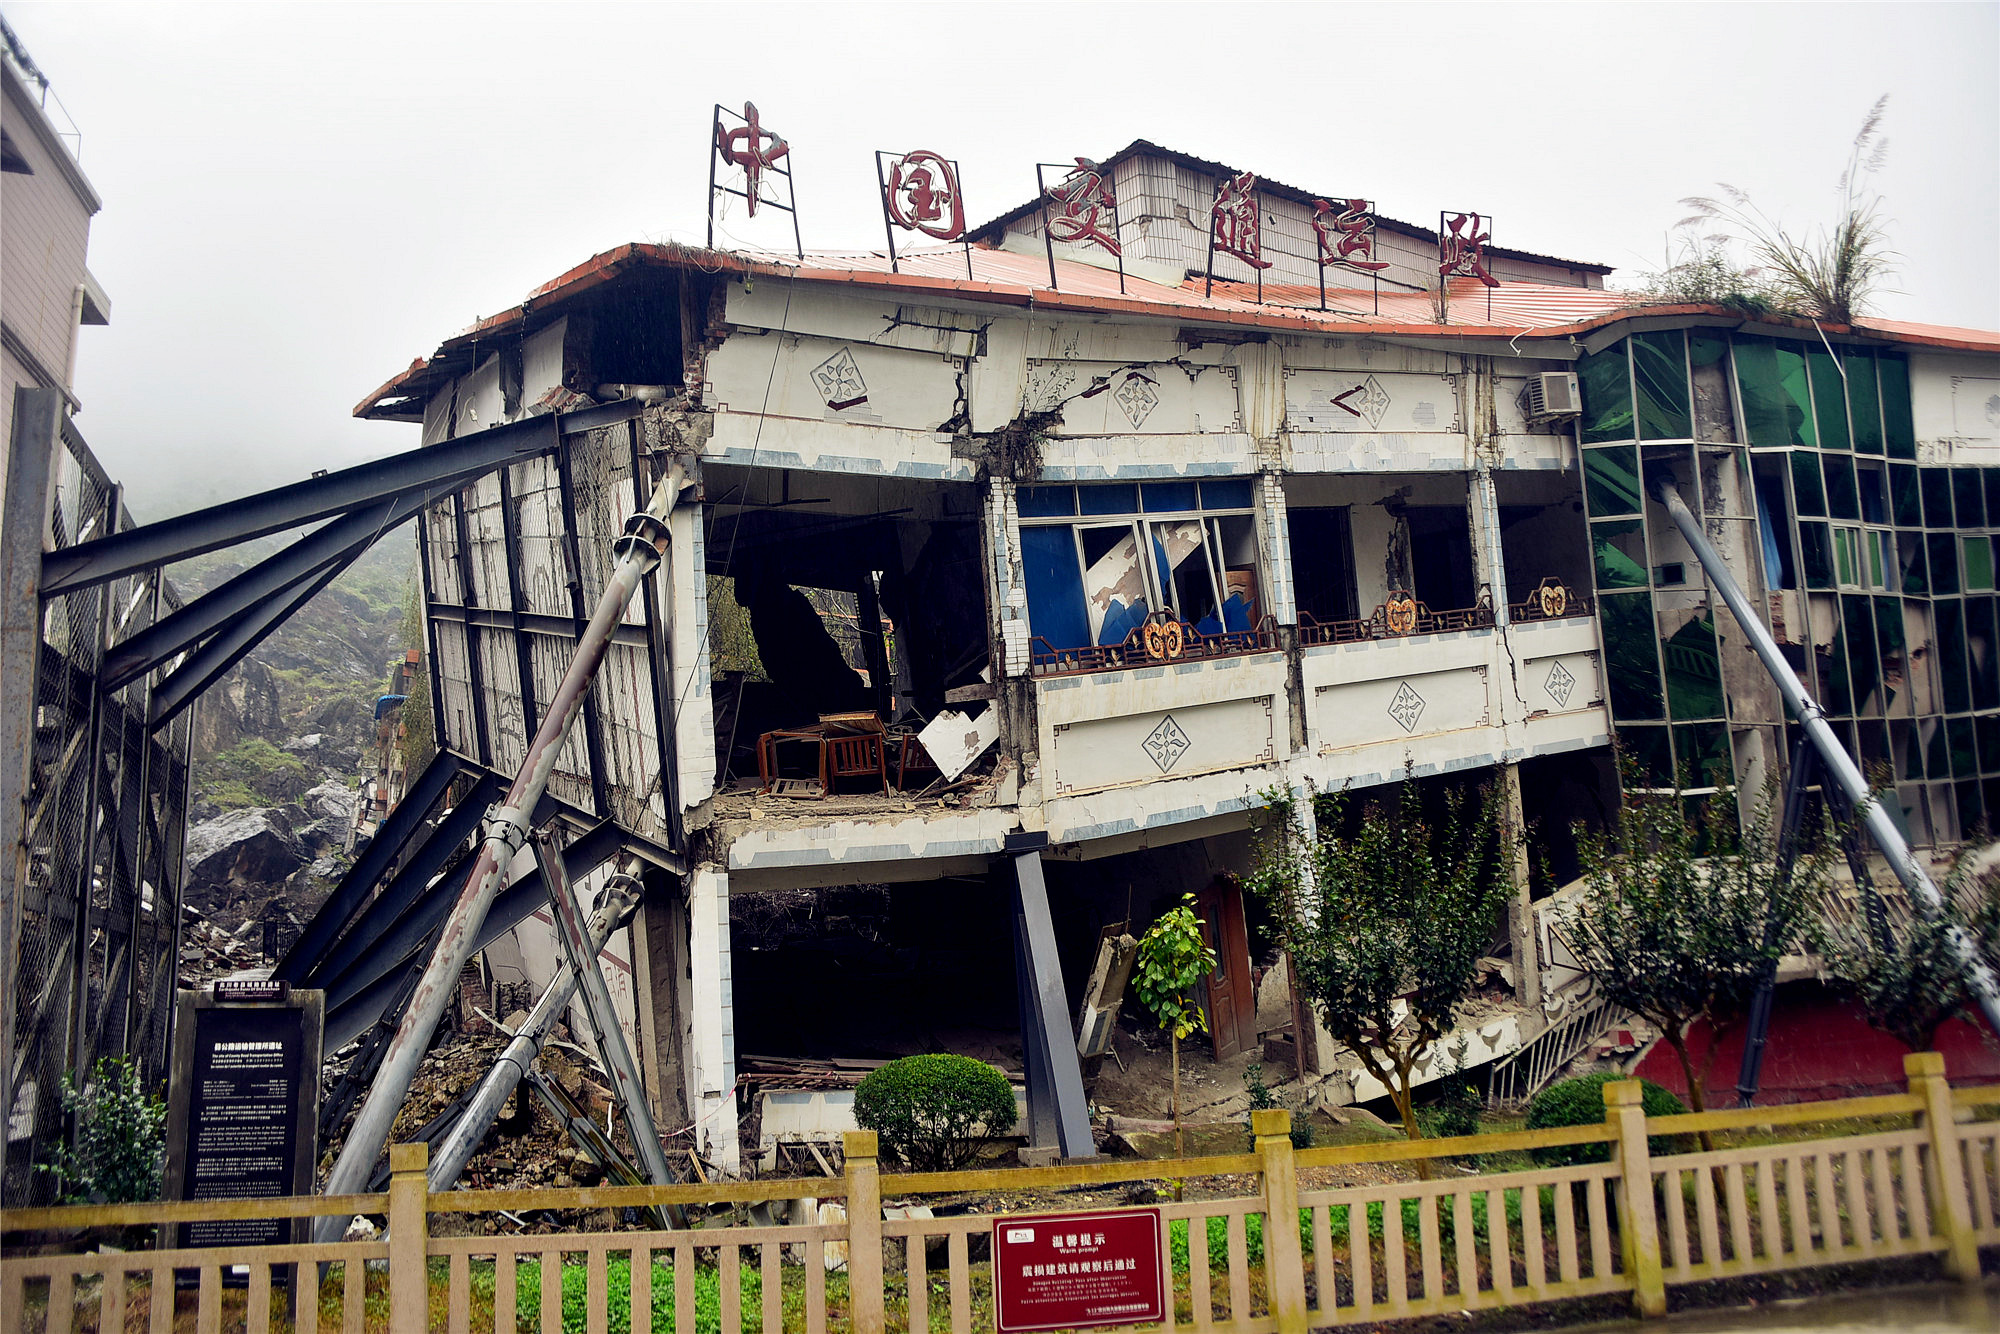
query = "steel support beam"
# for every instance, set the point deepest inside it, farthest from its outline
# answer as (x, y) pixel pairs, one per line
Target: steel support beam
(452, 463)
(404, 823)
(639, 551)
(206, 664)
(616, 1053)
(1055, 1074)
(621, 898)
(1834, 760)
(184, 628)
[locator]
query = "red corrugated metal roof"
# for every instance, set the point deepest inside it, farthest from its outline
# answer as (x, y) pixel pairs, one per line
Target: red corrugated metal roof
(1518, 310)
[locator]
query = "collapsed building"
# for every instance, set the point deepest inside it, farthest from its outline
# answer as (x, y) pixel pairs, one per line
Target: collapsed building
(1009, 575)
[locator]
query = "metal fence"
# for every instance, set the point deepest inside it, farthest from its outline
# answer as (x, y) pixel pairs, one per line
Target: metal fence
(95, 880)
(1914, 1180)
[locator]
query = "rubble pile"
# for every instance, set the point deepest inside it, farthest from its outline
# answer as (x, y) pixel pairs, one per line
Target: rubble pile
(208, 951)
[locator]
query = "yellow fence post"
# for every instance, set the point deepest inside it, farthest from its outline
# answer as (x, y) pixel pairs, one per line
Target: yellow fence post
(1638, 1225)
(864, 1233)
(1284, 1260)
(1951, 1211)
(409, 1238)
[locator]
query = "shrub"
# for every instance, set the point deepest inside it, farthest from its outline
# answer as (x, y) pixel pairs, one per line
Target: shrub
(121, 1138)
(1580, 1102)
(935, 1113)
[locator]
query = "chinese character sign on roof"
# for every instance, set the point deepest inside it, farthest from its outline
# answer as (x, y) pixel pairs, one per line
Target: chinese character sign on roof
(1086, 210)
(1346, 234)
(1235, 227)
(1462, 241)
(751, 147)
(922, 195)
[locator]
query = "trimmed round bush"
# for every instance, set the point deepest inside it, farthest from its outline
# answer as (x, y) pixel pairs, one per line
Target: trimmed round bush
(1580, 1102)
(935, 1113)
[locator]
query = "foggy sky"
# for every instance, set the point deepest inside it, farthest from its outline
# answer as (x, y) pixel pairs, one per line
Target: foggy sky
(300, 199)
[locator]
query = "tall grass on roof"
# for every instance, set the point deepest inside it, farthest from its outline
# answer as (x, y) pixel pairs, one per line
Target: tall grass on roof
(1829, 274)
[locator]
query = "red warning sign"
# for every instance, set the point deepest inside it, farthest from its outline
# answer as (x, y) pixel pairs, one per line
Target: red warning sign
(1056, 1271)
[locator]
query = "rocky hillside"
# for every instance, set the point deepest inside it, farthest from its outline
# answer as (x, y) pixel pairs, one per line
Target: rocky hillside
(278, 742)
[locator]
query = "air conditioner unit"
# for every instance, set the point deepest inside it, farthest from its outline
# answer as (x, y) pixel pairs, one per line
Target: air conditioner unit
(1553, 394)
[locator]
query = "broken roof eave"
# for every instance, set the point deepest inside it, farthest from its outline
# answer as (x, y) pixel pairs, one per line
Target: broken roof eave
(401, 398)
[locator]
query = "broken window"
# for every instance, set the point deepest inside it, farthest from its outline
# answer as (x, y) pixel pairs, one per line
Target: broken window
(1171, 547)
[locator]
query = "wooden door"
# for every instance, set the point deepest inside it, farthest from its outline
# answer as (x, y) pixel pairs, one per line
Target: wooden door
(1232, 997)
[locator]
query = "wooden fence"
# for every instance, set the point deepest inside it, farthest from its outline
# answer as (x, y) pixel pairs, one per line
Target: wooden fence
(1636, 1223)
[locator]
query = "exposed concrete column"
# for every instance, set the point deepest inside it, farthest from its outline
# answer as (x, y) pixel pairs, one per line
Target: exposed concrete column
(1520, 910)
(659, 965)
(1489, 565)
(1318, 1043)
(709, 1023)
(1281, 598)
(1058, 1118)
(1002, 542)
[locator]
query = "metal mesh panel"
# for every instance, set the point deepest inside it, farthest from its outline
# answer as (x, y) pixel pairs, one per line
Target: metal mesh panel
(106, 810)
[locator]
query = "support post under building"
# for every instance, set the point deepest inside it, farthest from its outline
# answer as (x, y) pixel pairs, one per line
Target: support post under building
(1057, 1115)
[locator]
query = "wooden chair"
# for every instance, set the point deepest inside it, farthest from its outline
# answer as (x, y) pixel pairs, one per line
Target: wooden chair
(854, 748)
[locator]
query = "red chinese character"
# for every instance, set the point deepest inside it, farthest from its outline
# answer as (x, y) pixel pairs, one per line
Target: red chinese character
(1085, 196)
(754, 155)
(1355, 228)
(1238, 229)
(1462, 248)
(923, 196)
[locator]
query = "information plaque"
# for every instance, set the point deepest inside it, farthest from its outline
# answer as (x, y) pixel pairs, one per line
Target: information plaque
(243, 1106)
(1058, 1271)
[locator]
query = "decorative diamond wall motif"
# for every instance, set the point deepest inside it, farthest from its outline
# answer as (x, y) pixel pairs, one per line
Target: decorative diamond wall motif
(839, 381)
(1559, 684)
(1137, 397)
(1406, 707)
(1167, 743)
(1374, 400)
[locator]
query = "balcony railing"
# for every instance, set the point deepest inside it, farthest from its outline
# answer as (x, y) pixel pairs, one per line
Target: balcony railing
(1399, 617)
(1160, 640)
(1554, 600)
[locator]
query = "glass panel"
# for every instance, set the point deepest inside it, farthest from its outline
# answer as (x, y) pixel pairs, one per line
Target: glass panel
(1230, 494)
(1766, 380)
(1843, 557)
(1659, 369)
(1706, 349)
(1944, 562)
(1993, 494)
(1620, 548)
(1181, 563)
(1701, 750)
(1979, 653)
(1829, 399)
(1868, 480)
(1906, 500)
(1234, 542)
(1937, 754)
(1950, 618)
(1816, 554)
(1891, 650)
(1114, 582)
(1831, 660)
(1611, 480)
(1898, 430)
(1650, 752)
(1967, 498)
(1978, 563)
(1167, 496)
(1910, 550)
(1907, 754)
(1865, 679)
(1045, 502)
(1873, 541)
(1841, 500)
(1055, 586)
(1607, 395)
(1937, 497)
(1114, 499)
(1964, 750)
(1863, 403)
(1988, 727)
(1631, 661)
(1808, 492)
(1694, 676)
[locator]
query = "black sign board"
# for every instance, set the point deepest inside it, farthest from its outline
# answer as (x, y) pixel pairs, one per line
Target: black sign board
(243, 1107)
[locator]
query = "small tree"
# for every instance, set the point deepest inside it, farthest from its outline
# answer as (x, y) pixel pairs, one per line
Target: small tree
(935, 1113)
(120, 1142)
(1684, 912)
(1173, 959)
(1386, 925)
(1913, 982)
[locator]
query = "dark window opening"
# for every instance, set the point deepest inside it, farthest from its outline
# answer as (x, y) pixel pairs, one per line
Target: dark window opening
(1441, 557)
(1774, 526)
(1322, 547)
